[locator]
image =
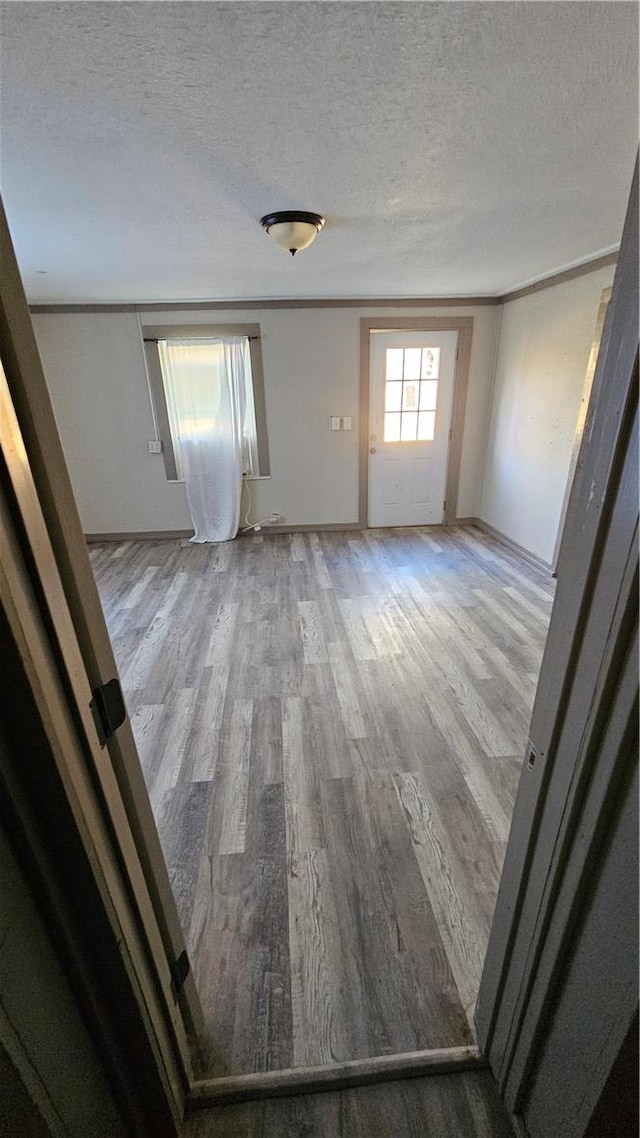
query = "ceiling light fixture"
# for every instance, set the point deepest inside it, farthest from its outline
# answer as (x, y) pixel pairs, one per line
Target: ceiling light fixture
(294, 229)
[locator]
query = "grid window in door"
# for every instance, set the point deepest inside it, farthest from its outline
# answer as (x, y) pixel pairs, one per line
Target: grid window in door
(411, 394)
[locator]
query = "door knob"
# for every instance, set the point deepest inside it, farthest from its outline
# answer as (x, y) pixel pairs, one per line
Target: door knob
(372, 450)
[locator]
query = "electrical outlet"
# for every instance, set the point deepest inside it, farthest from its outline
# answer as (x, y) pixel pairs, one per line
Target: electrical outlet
(346, 423)
(155, 446)
(275, 518)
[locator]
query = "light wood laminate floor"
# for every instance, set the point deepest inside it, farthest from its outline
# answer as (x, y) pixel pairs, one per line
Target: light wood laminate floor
(331, 728)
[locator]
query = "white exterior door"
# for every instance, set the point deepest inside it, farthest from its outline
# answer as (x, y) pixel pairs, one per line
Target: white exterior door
(411, 381)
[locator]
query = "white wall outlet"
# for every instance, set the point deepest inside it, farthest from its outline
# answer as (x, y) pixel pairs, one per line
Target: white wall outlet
(155, 446)
(275, 518)
(347, 423)
(335, 422)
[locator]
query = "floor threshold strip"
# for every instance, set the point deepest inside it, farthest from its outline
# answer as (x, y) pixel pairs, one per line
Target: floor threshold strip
(331, 1077)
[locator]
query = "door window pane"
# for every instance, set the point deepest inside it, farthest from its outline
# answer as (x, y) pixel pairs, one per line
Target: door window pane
(410, 396)
(394, 363)
(409, 426)
(426, 426)
(430, 363)
(393, 397)
(392, 427)
(428, 394)
(412, 358)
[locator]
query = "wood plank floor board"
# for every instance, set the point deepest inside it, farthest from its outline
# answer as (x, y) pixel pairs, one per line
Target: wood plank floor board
(222, 635)
(464, 1105)
(455, 687)
(508, 707)
(537, 612)
(462, 931)
(383, 911)
(331, 616)
(266, 741)
(147, 650)
(510, 676)
(525, 657)
(504, 773)
(317, 993)
(203, 742)
(168, 747)
(182, 818)
(263, 1032)
(147, 722)
(216, 951)
(331, 726)
(478, 855)
(326, 738)
(230, 827)
(298, 547)
(313, 643)
(241, 947)
(184, 644)
(303, 814)
(354, 707)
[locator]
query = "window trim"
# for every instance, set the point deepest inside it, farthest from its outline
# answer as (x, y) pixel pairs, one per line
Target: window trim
(151, 333)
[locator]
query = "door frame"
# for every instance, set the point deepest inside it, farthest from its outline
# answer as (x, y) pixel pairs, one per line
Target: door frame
(52, 544)
(463, 325)
(584, 713)
(44, 460)
(60, 805)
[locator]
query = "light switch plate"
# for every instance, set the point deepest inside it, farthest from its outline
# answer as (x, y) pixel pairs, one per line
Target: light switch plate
(335, 422)
(346, 423)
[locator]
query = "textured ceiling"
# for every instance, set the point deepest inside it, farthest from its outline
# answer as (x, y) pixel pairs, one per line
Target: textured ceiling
(455, 148)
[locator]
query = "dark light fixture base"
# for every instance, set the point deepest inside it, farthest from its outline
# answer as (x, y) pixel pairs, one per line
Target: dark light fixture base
(283, 215)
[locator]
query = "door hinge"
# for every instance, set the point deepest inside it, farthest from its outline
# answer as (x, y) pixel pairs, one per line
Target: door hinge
(180, 969)
(108, 709)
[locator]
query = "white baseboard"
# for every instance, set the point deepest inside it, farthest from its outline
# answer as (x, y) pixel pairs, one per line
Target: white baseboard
(143, 535)
(497, 535)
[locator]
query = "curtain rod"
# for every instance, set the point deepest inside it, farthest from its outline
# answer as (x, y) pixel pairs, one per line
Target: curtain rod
(162, 339)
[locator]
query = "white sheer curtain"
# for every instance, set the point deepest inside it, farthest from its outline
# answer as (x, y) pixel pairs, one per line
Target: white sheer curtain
(206, 383)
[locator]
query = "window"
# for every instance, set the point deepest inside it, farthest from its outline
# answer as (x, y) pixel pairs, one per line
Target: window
(199, 349)
(411, 394)
(193, 372)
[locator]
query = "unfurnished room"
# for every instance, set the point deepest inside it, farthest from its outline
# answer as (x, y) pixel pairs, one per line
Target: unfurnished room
(316, 416)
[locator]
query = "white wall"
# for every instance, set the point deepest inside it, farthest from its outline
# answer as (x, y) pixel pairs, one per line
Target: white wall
(95, 370)
(543, 350)
(94, 366)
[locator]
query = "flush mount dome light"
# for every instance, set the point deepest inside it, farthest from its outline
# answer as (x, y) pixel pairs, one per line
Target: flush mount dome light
(294, 229)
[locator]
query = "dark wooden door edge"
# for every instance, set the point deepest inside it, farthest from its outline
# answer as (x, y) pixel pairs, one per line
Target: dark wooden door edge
(332, 1077)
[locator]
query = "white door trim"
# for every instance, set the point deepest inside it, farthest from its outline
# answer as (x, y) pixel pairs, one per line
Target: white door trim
(463, 325)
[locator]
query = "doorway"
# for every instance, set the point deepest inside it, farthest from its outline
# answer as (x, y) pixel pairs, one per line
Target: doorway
(611, 433)
(429, 329)
(411, 381)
